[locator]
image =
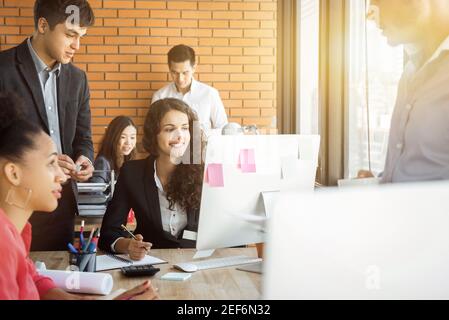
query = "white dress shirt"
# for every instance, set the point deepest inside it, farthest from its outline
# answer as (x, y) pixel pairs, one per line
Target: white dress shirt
(202, 98)
(173, 221)
(418, 148)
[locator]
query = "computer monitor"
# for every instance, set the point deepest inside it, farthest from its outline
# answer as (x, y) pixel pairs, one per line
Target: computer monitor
(384, 242)
(242, 173)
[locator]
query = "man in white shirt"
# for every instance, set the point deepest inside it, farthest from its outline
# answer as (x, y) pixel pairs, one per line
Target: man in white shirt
(202, 98)
(418, 148)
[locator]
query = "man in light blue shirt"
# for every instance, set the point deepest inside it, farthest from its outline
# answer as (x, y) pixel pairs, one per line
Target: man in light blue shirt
(418, 148)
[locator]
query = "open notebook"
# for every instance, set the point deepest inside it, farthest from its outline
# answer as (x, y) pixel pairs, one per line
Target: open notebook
(116, 261)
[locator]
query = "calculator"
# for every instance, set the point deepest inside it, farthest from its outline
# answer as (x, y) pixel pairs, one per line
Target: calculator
(137, 271)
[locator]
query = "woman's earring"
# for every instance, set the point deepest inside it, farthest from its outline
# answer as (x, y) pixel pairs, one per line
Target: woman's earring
(10, 195)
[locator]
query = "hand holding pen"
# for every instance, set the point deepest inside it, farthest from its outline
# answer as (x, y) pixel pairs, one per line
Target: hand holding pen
(137, 248)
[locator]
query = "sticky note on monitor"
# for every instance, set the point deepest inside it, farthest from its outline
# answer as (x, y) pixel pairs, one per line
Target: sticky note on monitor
(214, 175)
(247, 160)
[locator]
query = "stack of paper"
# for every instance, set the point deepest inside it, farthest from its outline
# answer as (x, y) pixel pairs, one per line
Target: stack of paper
(109, 262)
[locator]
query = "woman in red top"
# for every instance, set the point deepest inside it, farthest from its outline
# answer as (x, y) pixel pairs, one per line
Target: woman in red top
(30, 180)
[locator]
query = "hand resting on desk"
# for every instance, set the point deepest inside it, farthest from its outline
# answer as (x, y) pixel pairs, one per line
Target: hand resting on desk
(145, 291)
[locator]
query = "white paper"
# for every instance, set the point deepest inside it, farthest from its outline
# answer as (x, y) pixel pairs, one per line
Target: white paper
(107, 262)
(81, 282)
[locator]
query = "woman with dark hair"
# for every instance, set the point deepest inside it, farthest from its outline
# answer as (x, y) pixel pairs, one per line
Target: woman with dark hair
(117, 147)
(30, 180)
(164, 190)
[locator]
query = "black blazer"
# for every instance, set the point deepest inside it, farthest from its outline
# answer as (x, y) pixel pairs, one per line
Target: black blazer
(18, 74)
(137, 189)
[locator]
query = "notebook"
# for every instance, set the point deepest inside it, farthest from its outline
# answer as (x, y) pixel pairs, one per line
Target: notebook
(111, 261)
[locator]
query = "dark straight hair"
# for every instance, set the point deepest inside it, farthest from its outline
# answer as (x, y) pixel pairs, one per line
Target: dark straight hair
(181, 53)
(108, 148)
(54, 11)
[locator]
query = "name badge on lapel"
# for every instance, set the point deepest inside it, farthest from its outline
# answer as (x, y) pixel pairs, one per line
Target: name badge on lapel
(189, 235)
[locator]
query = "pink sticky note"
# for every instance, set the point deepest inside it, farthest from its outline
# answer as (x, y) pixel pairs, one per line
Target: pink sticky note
(214, 175)
(247, 160)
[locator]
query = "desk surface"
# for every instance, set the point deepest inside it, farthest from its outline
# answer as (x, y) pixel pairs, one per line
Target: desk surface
(222, 284)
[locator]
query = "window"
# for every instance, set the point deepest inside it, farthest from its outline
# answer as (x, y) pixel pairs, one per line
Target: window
(308, 66)
(384, 65)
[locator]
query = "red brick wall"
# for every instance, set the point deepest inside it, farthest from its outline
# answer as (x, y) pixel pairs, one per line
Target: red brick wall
(125, 53)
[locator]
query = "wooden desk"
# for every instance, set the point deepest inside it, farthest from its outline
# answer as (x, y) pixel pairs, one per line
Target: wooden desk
(222, 284)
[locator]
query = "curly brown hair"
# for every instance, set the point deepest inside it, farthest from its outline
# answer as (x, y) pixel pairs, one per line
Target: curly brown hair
(185, 184)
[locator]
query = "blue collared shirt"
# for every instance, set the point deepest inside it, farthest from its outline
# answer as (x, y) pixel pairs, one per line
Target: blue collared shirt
(418, 148)
(48, 81)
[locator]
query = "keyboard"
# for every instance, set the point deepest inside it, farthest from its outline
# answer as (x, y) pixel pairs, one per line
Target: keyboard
(193, 266)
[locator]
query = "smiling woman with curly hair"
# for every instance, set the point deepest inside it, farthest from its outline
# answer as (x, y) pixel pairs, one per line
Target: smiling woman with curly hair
(164, 190)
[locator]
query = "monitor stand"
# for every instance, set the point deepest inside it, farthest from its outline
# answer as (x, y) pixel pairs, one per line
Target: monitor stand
(254, 267)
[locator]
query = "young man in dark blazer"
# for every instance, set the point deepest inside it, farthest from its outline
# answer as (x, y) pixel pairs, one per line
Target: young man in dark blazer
(56, 96)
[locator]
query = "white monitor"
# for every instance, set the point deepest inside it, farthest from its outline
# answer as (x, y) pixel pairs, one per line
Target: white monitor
(232, 195)
(384, 242)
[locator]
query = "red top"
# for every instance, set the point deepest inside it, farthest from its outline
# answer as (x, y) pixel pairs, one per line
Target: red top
(19, 279)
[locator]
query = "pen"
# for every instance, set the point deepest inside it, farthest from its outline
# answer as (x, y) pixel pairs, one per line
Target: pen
(82, 235)
(132, 235)
(92, 233)
(93, 245)
(72, 248)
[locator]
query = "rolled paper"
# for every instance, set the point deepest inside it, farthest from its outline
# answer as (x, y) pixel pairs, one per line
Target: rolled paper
(81, 282)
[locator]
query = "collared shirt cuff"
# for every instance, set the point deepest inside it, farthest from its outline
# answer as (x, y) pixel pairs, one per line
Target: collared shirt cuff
(113, 244)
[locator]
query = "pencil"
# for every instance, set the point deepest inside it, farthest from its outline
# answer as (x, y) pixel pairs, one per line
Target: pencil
(131, 234)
